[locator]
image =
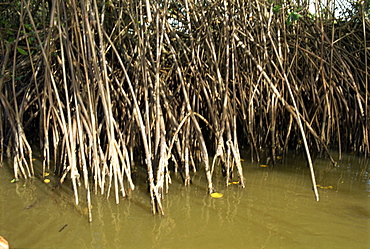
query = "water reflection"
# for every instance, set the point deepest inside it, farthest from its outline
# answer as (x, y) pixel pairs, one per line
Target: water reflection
(276, 210)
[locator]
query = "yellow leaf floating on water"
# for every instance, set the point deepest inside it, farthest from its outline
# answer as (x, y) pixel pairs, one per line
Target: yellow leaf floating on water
(34, 159)
(234, 183)
(263, 166)
(86, 210)
(217, 195)
(324, 187)
(241, 159)
(46, 174)
(47, 180)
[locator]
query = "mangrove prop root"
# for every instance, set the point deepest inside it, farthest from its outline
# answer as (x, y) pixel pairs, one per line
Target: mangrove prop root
(108, 86)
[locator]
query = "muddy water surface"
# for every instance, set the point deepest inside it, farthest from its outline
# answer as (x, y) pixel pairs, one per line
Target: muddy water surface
(276, 210)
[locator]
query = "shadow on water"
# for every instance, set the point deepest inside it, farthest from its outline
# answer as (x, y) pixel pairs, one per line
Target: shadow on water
(276, 210)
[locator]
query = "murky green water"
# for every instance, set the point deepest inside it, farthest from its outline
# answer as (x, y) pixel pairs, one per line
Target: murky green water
(276, 210)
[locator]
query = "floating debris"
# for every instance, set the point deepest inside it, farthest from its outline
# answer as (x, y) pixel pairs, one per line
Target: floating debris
(217, 195)
(32, 205)
(63, 227)
(324, 187)
(234, 183)
(86, 210)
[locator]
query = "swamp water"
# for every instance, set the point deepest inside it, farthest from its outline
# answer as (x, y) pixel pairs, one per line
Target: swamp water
(277, 209)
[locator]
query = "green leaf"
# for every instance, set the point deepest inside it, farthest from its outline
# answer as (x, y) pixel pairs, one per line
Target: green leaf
(288, 21)
(294, 16)
(22, 51)
(9, 32)
(28, 26)
(276, 8)
(31, 39)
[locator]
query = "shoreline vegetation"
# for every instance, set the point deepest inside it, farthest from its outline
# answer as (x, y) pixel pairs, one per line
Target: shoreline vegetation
(103, 87)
